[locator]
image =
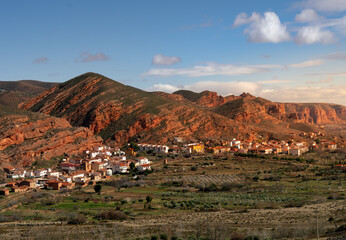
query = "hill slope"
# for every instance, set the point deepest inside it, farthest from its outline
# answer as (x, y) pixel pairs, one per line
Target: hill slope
(27, 136)
(120, 112)
(28, 86)
(249, 108)
(13, 93)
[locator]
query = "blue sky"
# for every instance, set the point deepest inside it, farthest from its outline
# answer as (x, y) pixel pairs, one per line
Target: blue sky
(290, 51)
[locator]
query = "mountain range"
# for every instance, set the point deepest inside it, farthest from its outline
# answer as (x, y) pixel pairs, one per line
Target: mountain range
(91, 106)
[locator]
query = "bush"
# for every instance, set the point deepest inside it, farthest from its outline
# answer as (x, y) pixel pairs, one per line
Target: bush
(97, 188)
(148, 199)
(112, 215)
(163, 237)
(76, 219)
(255, 178)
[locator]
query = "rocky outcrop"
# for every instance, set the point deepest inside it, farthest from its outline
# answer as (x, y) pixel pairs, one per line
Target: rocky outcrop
(206, 98)
(23, 139)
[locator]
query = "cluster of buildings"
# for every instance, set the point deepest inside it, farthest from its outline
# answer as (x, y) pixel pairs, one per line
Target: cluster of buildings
(102, 162)
(295, 148)
(93, 166)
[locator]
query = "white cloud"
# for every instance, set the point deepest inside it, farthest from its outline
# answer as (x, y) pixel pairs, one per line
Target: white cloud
(306, 93)
(262, 29)
(327, 80)
(335, 56)
(307, 15)
(242, 19)
(160, 59)
(306, 64)
(274, 81)
(222, 88)
(85, 57)
(314, 34)
(163, 88)
(325, 5)
(326, 94)
(210, 69)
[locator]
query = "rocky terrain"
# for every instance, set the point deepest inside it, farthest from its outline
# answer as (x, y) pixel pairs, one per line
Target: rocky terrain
(247, 107)
(119, 112)
(26, 137)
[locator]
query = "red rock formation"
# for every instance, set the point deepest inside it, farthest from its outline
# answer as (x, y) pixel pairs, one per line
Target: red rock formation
(23, 139)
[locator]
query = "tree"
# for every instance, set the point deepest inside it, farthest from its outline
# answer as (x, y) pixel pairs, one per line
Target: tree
(148, 199)
(98, 188)
(132, 165)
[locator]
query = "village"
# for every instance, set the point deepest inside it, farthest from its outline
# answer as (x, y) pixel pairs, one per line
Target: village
(101, 163)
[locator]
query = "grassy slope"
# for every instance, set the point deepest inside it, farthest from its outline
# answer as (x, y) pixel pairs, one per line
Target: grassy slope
(28, 86)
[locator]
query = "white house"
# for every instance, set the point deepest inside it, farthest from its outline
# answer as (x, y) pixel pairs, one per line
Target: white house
(29, 174)
(18, 173)
(66, 178)
(142, 161)
(154, 148)
(55, 174)
(235, 143)
(41, 172)
(77, 174)
(119, 167)
(143, 167)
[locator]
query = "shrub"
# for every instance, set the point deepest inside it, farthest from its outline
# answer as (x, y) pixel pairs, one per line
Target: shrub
(76, 219)
(148, 199)
(255, 178)
(97, 188)
(112, 215)
(163, 237)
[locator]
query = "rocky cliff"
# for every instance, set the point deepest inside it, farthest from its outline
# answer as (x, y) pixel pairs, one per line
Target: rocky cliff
(249, 108)
(25, 137)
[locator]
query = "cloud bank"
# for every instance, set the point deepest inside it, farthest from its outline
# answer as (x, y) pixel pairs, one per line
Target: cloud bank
(306, 93)
(85, 57)
(210, 69)
(160, 59)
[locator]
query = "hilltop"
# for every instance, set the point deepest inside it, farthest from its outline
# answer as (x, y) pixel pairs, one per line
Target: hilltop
(119, 112)
(13, 93)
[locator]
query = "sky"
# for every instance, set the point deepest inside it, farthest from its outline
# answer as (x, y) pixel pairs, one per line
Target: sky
(285, 51)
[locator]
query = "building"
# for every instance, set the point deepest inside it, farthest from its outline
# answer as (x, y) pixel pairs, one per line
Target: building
(265, 150)
(144, 167)
(154, 148)
(4, 192)
(53, 184)
(69, 167)
(294, 152)
(120, 167)
(30, 183)
(196, 148)
(54, 174)
(41, 172)
(332, 146)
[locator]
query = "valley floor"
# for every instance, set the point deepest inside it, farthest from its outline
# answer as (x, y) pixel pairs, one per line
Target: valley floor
(200, 197)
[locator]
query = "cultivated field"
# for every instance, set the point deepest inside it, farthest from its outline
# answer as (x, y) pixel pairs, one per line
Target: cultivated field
(198, 197)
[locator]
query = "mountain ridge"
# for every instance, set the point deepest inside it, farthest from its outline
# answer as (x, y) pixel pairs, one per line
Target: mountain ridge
(119, 112)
